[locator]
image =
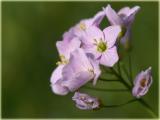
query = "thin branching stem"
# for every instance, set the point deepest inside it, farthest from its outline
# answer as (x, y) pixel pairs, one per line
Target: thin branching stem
(107, 90)
(119, 105)
(148, 107)
(129, 88)
(140, 100)
(130, 68)
(120, 77)
(106, 80)
(128, 76)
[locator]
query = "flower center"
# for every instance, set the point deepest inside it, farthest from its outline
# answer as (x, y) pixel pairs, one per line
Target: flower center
(63, 60)
(101, 46)
(82, 26)
(143, 82)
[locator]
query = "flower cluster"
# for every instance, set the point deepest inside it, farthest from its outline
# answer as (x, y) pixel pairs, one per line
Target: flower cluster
(85, 46)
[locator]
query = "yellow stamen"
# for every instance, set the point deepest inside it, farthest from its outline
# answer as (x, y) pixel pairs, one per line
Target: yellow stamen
(82, 26)
(101, 46)
(63, 60)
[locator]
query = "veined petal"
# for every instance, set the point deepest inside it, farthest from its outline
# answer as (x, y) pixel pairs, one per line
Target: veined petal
(133, 11)
(98, 18)
(66, 47)
(69, 35)
(91, 49)
(56, 79)
(112, 16)
(111, 34)
(97, 70)
(78, 80)
(80, 60)
(123, 12)
(110, 57)
(57, 74)
(82, 26)
(78, 71)
(131, 15)
(93, 35)
(58, 89)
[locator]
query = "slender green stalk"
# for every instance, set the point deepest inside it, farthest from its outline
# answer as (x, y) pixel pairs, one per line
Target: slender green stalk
(129, 88)
(105, 80)
(119, 105)
(149, 109)
(106, 90)
(128, 76)
(120, 77)
(140, 100)
(130, 68)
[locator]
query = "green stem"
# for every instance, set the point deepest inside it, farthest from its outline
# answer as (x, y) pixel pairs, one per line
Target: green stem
(119, 70)
(140, 100)
(120, 77)
(130, 69)
(103, 79)
(127, 74)
(109, 106)
(107, 90)
(149, 109)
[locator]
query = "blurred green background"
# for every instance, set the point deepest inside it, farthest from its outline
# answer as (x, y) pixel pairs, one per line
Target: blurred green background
(29, 33)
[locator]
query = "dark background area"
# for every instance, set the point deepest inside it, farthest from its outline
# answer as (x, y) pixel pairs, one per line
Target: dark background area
(29, 33)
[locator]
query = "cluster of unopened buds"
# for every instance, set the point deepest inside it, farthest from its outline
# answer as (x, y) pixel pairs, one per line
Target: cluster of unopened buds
(85, 48)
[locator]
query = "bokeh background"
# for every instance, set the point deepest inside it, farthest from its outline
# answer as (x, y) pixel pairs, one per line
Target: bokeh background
(29, 33)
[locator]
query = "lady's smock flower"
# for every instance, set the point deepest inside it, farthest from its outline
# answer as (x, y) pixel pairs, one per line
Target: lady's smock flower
(124, 18)
(142, 83)
(101, 44)
(64, 48)
(85, 102)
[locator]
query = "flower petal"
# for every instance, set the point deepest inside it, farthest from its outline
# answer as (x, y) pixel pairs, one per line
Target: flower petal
(78, 80)
(98, 18)
(79, 60)
(111, 34)
(133, 11)
(56, 79)
(76, 73)
(123, 12)
(80, 28)
(66, 47)
(97, 70)
(112, 16)
(57, 74)
(131, 15)
(93, 34)
(58, 89)
(110, 57)
(69, 35)
(91, 49)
